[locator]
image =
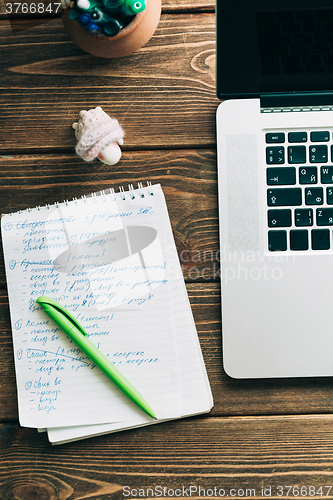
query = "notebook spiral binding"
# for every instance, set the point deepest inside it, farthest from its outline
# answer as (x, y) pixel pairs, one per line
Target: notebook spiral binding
(94, 197)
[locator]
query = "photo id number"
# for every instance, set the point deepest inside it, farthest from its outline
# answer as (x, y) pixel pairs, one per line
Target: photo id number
(32, 8)
(303, 491)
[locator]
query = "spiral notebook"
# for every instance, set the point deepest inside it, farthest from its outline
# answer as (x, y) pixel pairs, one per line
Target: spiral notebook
(110, 259)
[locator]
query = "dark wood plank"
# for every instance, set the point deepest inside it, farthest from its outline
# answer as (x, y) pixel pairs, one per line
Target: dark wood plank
(163, 95)
(188, 178)
(245, 457)
(193, 5)
(8, 395)
(188, 4)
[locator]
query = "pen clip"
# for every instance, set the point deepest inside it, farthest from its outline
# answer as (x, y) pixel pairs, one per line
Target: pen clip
(52, 303)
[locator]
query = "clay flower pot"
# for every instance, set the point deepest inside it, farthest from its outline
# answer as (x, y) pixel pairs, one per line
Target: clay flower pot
(129, 39)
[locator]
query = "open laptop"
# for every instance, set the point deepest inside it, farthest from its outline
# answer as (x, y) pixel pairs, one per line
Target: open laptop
(275, 175)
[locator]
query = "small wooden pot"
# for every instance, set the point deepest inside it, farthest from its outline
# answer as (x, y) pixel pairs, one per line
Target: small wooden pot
(129, 39)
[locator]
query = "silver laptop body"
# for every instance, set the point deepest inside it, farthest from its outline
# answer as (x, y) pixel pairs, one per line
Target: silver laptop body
(275, 181)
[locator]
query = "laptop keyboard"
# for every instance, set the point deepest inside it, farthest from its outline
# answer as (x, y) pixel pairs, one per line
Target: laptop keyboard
(299, 178)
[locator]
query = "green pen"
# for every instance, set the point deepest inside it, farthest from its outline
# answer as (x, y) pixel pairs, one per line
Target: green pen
(68, 324)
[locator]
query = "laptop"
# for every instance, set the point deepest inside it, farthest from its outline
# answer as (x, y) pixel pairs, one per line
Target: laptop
(275, 178)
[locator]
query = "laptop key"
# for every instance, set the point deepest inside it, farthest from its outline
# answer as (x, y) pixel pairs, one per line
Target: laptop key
(277, 241)
(319, 154)
(281, 197)
(326, 175)
(304, 217)
(314, 196)
(320, 136)
(279, 218)
(320, 239)
(296, 154)
(278, 137)
(299, 239)
(308, 175)
(297, 137)
(324, 216)
(275, 155)
(281, 175)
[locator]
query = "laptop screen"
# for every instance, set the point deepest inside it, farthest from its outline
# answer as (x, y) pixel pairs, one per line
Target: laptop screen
(266, 47)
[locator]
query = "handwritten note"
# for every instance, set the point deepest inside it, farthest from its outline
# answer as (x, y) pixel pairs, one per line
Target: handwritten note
(108, 260)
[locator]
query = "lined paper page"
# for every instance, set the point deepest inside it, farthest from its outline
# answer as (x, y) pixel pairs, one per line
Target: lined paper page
(194, 388)
(107, 261)
(195, 393)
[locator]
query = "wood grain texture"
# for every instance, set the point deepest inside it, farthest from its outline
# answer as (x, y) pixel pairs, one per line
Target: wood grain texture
(192, 5)
(247, 455)
(260, 434)
(45, 80)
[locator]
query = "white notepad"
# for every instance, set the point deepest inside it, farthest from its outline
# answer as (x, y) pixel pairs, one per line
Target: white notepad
(110, 259)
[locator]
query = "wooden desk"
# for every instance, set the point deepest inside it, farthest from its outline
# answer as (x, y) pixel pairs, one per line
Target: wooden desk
(260, 434)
